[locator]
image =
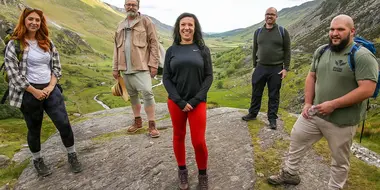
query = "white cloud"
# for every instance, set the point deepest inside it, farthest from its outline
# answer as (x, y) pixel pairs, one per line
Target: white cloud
(214, 15)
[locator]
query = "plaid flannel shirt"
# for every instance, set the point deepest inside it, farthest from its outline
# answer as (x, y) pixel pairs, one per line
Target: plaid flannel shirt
(16, 71)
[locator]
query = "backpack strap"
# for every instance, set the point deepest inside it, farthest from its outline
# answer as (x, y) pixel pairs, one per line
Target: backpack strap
(2, 67)
(258, 31)
(320, 53)
(281, 30)
(19, 49)
(351, 59)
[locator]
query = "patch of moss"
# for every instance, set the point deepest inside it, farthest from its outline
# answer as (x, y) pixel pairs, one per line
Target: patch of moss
(262, 157)
(10, 174)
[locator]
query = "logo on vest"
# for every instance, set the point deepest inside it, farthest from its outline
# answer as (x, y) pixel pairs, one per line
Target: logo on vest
(339, 64)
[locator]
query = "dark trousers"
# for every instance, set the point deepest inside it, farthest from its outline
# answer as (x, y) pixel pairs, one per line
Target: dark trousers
(33, 110)
(261, 76)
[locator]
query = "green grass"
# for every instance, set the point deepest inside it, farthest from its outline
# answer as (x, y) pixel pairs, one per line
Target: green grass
(108, 136)
(370, 141)
(10, 174)
(14, 131)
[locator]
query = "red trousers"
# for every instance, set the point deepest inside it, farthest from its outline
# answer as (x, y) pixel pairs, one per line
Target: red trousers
(197, 121)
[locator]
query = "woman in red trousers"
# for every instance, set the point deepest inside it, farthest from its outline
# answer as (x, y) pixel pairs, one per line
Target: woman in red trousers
(187, 78)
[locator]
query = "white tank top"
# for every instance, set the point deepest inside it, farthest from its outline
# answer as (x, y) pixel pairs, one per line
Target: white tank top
(38, 64)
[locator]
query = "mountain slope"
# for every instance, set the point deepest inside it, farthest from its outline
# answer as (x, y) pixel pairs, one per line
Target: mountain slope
(311, 31)
(94, 21)
(286, 17)
(164, 31)
(161, 27)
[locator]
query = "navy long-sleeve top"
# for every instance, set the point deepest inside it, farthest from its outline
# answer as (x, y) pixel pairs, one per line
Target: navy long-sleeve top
(187, 74)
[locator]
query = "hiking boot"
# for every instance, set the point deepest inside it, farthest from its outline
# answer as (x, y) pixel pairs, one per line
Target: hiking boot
(249, 117)
(136, 126)
(183, 179)
(273, 124)
(284, 177)
(203, 182)
(75, 165)
(41, 168)
(153, 132)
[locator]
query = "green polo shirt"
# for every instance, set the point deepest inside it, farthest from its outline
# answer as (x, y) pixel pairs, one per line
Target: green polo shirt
(334, 79)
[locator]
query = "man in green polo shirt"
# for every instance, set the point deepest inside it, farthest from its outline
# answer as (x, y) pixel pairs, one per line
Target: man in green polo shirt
(338, 95)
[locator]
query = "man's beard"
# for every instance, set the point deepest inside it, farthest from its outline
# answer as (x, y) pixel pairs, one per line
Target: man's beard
(341, 46)
(132, 14)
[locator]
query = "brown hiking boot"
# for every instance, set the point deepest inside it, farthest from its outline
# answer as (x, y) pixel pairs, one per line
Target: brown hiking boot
(284, 177)
(183, 179)
(136, 126)
(203, 182)
(153, 132)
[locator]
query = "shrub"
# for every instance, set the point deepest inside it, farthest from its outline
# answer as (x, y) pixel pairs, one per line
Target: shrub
(90, 84)
(7, 111)
(219, 84)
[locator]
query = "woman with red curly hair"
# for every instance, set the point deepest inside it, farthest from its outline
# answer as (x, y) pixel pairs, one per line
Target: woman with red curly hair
(33, 67)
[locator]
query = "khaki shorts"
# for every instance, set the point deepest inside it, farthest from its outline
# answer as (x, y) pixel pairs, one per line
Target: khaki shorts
(139, 82)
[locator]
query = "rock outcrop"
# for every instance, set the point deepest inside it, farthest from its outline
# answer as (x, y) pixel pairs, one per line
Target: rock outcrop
(113, 159)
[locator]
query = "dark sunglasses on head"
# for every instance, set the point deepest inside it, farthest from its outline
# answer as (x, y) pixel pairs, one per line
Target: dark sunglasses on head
(28, 10)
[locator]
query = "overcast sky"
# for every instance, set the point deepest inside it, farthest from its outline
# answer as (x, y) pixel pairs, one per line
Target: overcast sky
(214, 15)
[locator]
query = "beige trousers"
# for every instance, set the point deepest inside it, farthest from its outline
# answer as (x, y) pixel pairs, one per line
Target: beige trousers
(306, 132)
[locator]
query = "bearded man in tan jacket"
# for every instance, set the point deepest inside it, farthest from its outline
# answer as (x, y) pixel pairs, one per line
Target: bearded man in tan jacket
(136, 58)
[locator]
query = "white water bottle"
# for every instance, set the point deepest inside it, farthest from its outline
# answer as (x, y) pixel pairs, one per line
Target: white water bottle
(312, 111)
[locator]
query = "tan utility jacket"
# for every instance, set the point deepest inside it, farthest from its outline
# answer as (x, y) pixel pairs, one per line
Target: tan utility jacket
(144, 45)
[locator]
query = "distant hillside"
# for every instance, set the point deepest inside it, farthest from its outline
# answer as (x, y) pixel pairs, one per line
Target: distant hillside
(311, 30)
(91, 19)
(286, 17)
(164, 30)
(308, 23)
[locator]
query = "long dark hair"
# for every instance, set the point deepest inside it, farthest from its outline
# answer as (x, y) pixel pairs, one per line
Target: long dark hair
(198, 39)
